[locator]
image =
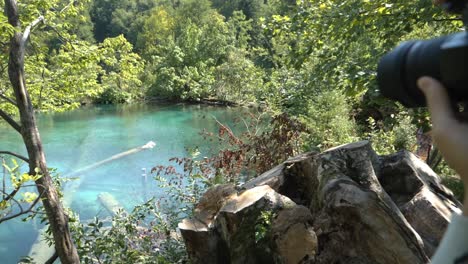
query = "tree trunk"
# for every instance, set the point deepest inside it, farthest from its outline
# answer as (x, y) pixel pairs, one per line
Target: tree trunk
(58, 220)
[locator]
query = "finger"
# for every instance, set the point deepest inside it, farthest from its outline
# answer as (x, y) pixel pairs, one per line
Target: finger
(437, 100)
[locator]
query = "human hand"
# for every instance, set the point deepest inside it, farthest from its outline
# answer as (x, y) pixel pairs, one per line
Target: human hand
(449, 134)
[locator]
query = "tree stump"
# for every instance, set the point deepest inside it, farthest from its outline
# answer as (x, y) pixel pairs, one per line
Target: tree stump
(345, 205)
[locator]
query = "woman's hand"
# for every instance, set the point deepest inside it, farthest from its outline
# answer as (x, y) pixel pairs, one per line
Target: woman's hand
(449, 134)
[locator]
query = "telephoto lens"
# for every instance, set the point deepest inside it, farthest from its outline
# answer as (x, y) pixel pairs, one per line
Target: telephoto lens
(444, 58)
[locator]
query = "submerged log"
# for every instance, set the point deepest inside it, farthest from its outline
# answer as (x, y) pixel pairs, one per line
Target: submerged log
(109, 202)
(40, 251)
(149, 145)
(345, 205)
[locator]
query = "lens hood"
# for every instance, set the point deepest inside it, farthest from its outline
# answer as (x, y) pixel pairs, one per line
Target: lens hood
(391, 74)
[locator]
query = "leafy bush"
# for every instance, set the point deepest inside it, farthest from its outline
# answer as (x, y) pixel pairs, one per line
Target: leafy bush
(238, 79)
(392, 138)
(144, 236)
(329, 120)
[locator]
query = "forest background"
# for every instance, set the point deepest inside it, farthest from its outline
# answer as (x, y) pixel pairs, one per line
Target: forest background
(314, 61)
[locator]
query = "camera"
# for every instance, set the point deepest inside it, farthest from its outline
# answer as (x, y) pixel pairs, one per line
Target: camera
(444, 58)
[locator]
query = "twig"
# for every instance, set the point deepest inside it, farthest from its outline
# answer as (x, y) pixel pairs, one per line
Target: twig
(61, 37)
(229, 130)
(10, 121)
(258, 122)
(246, 126)
(22, 211)
(447, 19)
(11, 195)
(3, 68)
(15, 155)
(72, 2)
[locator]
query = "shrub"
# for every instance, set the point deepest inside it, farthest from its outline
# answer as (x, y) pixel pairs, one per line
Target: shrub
(329, 120)
(390, 139)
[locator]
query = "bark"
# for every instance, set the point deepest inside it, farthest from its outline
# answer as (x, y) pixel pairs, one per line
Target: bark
(58, 220)
(345, 205)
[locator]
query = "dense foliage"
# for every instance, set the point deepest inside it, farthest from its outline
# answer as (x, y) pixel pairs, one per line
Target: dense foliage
(315, 60)
(312, 60)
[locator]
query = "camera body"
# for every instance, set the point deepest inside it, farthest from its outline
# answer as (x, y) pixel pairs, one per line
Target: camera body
(444, 58)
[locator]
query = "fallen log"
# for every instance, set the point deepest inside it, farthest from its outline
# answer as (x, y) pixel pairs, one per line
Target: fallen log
(109, 202)
(149, 145)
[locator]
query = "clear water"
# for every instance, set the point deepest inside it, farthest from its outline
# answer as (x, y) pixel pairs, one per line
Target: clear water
(76, 139)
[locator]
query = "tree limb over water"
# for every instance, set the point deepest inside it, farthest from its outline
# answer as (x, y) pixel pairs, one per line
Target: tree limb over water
(10, 121)
(15, 155)
(22, 211)
(9, 100)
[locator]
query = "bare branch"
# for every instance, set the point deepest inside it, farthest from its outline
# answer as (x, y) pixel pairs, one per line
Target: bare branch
(11, 196)
(3, 68)
(72, 2)
(9, 100)
(228, 130)
(28, 29)
(10, 121)
(22, 211)
(52, 259)
(61, 37)
(15, 155)
(448, 19)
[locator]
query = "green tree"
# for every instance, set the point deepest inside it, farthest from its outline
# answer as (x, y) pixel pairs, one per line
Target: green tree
(115, 17)
(27, 127)
(122, 70)
(65, 78)
(183, 54)
(253, 9)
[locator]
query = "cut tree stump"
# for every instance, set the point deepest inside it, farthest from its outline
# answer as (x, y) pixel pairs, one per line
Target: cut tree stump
(345, 205)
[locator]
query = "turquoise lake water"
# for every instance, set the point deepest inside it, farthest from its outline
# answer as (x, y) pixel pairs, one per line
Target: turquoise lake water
(76, 139)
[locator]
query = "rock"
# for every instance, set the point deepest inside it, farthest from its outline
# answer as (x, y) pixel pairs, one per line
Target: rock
(345, 205)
